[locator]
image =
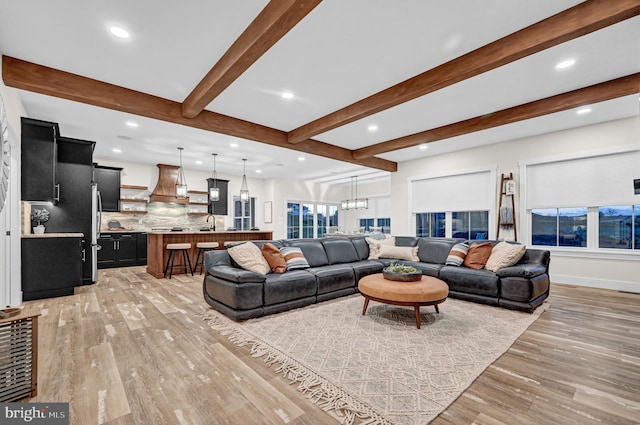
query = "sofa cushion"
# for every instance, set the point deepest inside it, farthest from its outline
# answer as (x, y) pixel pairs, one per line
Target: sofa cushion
(294, 258)
(505, 254)
(340, 250)
(471, 281)
(362, 247)
(374, 246)
(435, 250)
(249, 257)
(279, 288)
(334, 277)
(457, 254)
(365, 268)
(274, 257)
(312, 249)
(478, 255)
(409, 253)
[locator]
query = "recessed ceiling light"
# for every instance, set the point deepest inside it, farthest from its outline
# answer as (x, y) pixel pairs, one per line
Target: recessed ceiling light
(287, 95)
(199, 162)
(132, 124)
(565, 64)
(259, 171)
(119, 32)
(116, 150)
(233, 145)
(372, 127)
(583, 111)
(423, 147)
(301, 158)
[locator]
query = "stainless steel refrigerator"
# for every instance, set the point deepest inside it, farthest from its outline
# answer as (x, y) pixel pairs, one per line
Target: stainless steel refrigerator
(96, 219)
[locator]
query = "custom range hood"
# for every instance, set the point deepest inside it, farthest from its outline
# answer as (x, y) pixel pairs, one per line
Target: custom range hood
(165, 190)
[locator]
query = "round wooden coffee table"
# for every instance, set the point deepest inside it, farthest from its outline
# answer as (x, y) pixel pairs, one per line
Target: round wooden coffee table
(427, 291)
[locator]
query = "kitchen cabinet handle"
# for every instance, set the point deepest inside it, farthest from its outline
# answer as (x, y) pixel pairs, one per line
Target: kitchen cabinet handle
(57, 197)
(84, 256)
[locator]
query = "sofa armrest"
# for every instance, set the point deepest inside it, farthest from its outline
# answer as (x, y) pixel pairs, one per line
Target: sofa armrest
(522, 270)
(236, 275)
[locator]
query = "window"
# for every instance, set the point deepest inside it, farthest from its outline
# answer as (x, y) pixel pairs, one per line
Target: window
(385, 225)
(430, 224)
(244, 214)
(309, 220)
(470, 224)
(619, 227)
(366, 224)
(559, 227)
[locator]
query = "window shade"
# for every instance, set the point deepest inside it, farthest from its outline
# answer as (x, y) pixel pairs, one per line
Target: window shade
(584, 182)
(379, 207)
(459, 192)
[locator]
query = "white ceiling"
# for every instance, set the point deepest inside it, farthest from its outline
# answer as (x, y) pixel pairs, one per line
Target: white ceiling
(341, 52)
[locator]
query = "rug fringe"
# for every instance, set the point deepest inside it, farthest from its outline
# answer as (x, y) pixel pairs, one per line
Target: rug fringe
(318, 390)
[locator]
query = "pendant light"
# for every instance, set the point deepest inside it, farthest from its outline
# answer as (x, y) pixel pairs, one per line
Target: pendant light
(214, 191)
(244, 188)
(354, 203)
(181, 184)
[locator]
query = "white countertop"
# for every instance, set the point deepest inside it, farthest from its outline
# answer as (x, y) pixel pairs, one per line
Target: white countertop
(52, 235)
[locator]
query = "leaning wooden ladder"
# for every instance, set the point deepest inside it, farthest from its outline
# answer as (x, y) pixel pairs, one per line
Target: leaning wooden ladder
(507, 219)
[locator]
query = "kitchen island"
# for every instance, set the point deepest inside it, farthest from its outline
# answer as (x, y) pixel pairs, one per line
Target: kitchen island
(157, 241)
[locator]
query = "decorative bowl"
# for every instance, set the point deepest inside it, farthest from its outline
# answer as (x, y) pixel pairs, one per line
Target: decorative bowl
(402, 276)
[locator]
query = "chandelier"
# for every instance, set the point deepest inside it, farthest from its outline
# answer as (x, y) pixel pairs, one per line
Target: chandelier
(181, 184)
(354, 203)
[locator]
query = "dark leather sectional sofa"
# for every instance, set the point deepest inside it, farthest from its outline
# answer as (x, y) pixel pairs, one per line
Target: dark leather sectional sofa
(338, 263)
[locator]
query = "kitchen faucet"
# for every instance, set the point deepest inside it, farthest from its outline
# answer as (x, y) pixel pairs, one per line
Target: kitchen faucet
(213, 225)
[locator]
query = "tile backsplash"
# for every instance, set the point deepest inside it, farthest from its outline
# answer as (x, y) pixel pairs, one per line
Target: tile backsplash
(161, 215)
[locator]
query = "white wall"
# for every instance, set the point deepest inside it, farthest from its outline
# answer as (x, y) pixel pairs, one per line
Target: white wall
(589, 269)
(10, 280)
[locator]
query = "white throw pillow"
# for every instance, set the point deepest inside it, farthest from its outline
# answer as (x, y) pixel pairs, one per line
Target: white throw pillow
(409, 253)
(374, 245)
(505, 254)
(249, 257)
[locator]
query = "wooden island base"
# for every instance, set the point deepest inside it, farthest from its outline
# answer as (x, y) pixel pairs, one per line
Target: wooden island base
(157, 241)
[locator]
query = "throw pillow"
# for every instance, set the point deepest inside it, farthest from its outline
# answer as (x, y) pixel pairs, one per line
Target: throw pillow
(249, 257)
(457, 254)
(478, 255)
(274, 257)
(505, 254)
(294, 258)
(374, 245)
(409, 253)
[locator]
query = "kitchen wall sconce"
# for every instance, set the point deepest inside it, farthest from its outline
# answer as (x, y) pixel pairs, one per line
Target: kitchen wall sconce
(244, 188)
(214, 191)
(181, 184)
(354, 203)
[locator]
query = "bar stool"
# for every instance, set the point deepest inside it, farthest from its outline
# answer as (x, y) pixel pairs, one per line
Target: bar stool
(202, 247)
(173, 248)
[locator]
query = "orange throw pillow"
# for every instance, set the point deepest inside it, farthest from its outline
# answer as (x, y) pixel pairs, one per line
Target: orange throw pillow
(272, 254)
(478, 255)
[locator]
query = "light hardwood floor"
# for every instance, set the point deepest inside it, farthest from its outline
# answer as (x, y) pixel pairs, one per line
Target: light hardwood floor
(130, 350)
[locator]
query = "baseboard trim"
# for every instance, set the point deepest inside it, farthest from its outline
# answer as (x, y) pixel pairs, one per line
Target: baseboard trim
(617, 285)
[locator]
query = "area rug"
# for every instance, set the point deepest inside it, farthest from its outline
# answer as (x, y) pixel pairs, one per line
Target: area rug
(379, 368)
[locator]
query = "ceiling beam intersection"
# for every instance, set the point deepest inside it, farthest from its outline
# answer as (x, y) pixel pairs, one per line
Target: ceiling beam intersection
(582, 19)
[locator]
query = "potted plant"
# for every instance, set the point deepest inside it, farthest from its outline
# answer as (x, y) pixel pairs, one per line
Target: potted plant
(39, 215)
(401, 273)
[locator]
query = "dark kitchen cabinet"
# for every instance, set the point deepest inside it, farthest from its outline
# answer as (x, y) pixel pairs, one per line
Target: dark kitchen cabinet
(108, 181)
(121, 250)
(39, 157)
(51, 266)
(219, 207)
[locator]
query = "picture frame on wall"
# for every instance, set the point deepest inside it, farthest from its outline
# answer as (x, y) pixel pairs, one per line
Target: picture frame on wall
(267, 212)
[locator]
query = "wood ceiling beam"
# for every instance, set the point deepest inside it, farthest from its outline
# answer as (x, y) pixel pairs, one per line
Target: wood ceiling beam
(612, 89)
(273, 22)
(592, 15)
(52, 82)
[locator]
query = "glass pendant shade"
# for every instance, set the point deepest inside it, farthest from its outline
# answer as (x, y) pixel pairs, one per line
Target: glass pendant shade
(244, 188)
(214, 191)
(181, 184)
